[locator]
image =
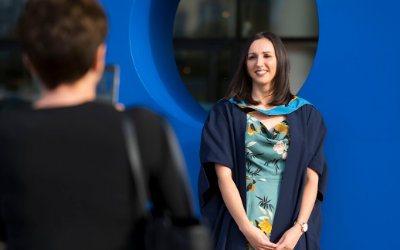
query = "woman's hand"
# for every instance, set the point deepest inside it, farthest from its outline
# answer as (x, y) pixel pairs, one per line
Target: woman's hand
(290, 238)
(257, 239)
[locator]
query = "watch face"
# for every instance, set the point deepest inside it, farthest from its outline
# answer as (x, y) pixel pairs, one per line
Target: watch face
(305, 227)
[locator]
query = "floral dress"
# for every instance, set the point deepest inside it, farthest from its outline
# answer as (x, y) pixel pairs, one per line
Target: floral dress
(266, 154)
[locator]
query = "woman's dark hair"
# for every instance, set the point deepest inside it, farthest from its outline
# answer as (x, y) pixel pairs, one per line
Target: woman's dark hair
(61, 37)
(242, 84)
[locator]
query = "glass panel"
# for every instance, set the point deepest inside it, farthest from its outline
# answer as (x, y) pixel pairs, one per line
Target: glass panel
(286, 18)
(205, 19)
(204, 73)
(15, 81)
(9, 13)
(16, 85)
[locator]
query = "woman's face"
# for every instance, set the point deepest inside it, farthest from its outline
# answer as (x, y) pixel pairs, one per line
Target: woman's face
(261, 61)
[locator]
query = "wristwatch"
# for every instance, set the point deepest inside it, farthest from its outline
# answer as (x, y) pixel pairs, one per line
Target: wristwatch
(303, 225)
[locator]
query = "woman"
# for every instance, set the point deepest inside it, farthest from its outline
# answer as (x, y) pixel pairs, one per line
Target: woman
(261, 143)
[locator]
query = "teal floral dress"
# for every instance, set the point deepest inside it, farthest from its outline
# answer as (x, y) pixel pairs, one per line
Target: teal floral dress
(266, 154)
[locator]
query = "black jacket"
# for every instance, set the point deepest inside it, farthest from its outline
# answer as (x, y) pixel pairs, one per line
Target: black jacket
(66, 183)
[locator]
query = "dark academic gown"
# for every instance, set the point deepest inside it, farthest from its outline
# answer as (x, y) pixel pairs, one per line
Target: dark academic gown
(223, 142)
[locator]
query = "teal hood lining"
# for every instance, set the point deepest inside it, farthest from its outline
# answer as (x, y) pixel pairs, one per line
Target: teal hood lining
(280, 110)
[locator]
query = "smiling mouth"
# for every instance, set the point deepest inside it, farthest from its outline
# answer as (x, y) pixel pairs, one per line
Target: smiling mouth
(261, 72)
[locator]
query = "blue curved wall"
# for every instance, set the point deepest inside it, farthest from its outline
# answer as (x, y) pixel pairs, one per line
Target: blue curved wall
(353, 82)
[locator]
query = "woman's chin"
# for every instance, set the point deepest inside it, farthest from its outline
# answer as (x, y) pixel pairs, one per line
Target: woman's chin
(261, 82)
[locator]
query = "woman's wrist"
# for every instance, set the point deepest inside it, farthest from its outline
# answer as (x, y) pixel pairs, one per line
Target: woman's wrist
(298, 228)
(245, 226)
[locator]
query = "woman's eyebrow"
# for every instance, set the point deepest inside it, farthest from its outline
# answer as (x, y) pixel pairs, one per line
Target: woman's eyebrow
(265, 52)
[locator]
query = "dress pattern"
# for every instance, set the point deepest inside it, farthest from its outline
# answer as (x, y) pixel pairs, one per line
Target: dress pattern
(266, 155)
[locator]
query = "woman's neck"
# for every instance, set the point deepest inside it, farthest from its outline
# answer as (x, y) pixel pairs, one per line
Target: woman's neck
(262, 94)
(65, 95)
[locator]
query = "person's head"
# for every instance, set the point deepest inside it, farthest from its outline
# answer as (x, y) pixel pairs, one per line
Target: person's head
(63, 40)
(263, 61)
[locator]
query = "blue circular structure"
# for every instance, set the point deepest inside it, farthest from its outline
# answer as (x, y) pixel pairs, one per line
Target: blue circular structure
(153, 57)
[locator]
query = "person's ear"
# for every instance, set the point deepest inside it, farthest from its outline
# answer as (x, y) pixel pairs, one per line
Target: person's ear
(100, 59)
(28, 64)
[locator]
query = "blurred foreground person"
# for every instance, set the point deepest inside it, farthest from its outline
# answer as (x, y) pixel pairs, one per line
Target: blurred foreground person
(65, 177)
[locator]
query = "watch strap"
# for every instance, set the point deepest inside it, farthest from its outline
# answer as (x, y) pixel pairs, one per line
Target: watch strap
(301, 225)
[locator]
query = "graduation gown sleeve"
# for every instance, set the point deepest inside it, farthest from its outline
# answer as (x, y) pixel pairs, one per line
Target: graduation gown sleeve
(216, 143)
(222, 142)
(216, 147)
(316, 138)
(316, 134)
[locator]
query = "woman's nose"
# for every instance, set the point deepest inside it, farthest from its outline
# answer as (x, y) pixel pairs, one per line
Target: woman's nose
(260, 61)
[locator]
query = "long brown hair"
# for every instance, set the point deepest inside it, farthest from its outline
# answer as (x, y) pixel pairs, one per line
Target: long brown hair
(242, 84)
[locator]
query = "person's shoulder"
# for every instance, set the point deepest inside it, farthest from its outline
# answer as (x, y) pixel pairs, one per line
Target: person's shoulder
(89, 110)
(94, 111)
(306, 110)
(14, 115)
(12, 121)
(222, 106)
(312, 115)
(142, 113)
(303, 106)
(98, 106)
(145, 118)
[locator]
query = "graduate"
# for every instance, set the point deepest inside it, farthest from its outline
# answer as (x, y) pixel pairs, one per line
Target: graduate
(264, 174)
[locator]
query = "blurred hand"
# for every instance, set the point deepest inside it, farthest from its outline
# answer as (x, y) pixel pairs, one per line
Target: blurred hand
(120, 107)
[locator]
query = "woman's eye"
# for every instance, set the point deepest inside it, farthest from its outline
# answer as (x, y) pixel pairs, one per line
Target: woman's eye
(266, 56)
(251, 57)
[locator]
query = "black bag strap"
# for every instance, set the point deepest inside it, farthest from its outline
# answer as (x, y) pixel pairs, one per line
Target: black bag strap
(152, 146)
(132, 147)
(161, 166)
